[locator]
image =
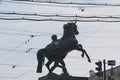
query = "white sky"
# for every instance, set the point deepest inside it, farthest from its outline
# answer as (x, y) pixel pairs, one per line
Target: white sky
(100, 39)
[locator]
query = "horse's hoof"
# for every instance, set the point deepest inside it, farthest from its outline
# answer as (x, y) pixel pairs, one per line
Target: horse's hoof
(65, 73)
(89, 61)
(49, 73)
(39, 71)
(82, 55)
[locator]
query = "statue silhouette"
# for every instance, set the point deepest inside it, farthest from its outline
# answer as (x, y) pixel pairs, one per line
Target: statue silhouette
(57, 50)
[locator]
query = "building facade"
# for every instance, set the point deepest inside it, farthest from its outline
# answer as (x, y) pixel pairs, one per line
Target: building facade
(111, 74)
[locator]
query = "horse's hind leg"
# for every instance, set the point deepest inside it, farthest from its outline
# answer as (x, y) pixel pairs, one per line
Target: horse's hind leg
(48, 65)
(40, 59)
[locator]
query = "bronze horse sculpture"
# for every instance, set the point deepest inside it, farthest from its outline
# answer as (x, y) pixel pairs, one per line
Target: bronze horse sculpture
(57, 51)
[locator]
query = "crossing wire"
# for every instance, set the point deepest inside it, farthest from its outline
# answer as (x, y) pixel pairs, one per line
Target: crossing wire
(16, 47)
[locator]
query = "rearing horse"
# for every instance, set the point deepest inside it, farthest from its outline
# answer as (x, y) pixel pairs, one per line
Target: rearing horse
(58, 50)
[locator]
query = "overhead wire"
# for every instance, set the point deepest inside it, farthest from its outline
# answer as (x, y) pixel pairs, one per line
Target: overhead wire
(93, 32)
(34, 66)
(58, 15)
(49, 34)
(25, 32)
(72, 57)
(29, 33)
(58, 20)
(69, 56)
(38, 4)
(30, 50)
(22, 74)
(77, 3)
(67, 3)
(17, 65)
(14, 34)
(11, 29)
(7, 49)
(16, 47)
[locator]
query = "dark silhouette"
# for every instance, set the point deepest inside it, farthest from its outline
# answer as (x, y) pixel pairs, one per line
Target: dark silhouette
(54, 38)
(63, 76)
(55, 41)
(58, 49)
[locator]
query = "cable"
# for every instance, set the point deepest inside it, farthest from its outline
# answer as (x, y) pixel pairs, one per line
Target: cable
(14, 34)
(30, 50)
(67, 3)
(17, 47)
(77, 3)
(49, 34)
(22, 74)
(92, 33)
(17, 30)
(42, 4)
(60, 20)
(58, 15)
(17, 65)
(21, 34)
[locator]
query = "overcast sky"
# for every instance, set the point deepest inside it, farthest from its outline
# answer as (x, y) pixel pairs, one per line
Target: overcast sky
(101, 40)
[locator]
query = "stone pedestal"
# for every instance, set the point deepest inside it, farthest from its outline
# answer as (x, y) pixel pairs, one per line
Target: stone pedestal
(53, 76)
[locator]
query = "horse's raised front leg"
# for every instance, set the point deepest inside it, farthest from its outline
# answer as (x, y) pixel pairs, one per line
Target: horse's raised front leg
(80, 48)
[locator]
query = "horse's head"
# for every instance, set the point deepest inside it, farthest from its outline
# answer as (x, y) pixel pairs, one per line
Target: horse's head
(71, 26)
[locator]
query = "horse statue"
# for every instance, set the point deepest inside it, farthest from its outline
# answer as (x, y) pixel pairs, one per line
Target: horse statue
(59, 48)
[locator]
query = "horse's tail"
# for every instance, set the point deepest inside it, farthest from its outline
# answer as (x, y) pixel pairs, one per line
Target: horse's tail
(40, 58)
